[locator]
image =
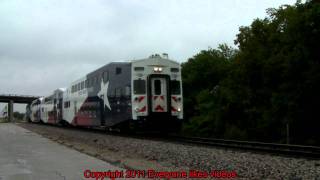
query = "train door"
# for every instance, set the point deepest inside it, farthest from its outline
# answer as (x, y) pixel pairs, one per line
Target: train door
(75, 108)
(60, 110)
(159, 94)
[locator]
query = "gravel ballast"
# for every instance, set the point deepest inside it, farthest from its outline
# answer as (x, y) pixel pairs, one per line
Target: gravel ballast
(144, 154)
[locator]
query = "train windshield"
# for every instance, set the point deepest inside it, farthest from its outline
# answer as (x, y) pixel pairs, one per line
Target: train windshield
(139, 86)
(175, 87)
(157, 87)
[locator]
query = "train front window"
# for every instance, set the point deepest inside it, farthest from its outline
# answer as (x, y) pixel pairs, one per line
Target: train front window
(139, 86)
(175, 87)
(157, 87)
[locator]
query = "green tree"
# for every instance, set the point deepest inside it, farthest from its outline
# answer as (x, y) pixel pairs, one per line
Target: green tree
(271, 81)
(280, 59)
(201, 77)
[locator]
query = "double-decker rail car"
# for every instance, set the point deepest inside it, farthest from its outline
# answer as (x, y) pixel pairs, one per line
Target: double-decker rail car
(34, 109)
(156, 95)
(144, 93)
(51, 107)
(46, 110)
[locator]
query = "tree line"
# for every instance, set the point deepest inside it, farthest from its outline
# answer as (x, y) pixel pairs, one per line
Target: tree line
(267, 89)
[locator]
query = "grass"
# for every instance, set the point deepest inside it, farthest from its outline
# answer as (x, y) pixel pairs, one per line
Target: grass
(3, 120)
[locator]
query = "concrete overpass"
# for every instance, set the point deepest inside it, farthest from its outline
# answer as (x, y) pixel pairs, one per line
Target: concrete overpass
(15, 98)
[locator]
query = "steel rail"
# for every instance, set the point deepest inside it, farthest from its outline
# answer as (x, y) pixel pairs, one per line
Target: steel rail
(274, 148)
(299, 151)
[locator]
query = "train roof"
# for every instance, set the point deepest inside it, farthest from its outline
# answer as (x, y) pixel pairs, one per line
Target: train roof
(156, 58)
(153, 58)
(60, 89)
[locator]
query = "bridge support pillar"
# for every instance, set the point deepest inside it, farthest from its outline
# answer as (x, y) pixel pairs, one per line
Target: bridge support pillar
(10, 111)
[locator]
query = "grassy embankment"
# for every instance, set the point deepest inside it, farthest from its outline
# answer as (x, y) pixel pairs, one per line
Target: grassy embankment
(3, 120)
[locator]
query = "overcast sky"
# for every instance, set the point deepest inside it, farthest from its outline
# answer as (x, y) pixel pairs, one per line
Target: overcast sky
(47, 44)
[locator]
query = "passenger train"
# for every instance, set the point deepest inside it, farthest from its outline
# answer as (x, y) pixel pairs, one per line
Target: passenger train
(144, 93)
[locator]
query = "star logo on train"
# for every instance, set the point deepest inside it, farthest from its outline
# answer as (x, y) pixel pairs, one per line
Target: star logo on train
(103, 93)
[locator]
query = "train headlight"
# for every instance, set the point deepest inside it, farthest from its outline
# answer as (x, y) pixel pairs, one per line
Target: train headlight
(157, 69)
(136, 109)
(179, 109)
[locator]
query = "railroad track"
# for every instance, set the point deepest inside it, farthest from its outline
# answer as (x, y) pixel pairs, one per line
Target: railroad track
(283, 149)
(299, 151)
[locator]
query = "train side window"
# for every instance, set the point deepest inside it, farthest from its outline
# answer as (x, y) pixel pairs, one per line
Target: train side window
(118, 70)
(118, 92)
(86, 83)
(82, 85)
(174, 69)
(175, 87)
(78, 88)
(127, 91)
(96, 80)
(106, 76)
(157, 87)
(139, 68)
(112, 93)
(65, 104)
(139, 86)
(90, 82)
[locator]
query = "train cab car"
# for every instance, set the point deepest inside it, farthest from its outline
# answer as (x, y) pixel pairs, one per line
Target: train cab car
(46, 109)
(157, 94)
(51, 107)
(146, 92)
(35, 115)
(57, 104)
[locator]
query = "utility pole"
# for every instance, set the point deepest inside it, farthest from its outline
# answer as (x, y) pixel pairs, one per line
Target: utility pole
(288, 131)
(10, 111)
